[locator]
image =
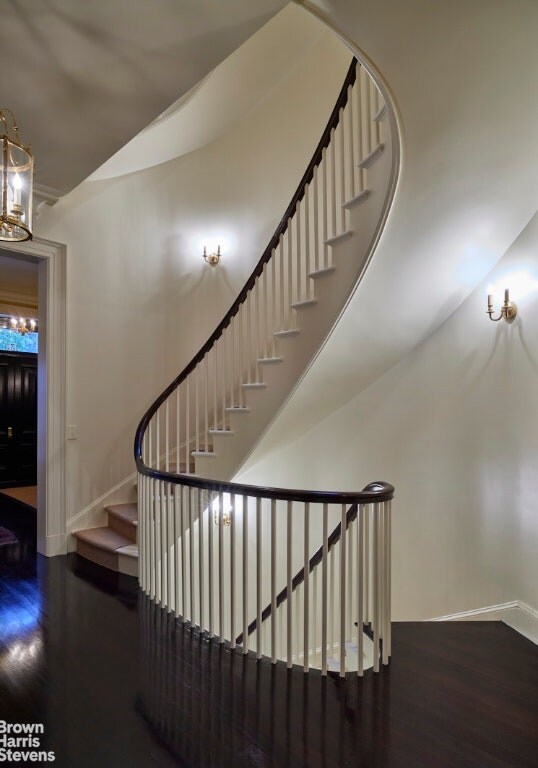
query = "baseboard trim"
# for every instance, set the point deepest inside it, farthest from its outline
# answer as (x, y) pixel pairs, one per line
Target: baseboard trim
(55, 545)
(515, 614)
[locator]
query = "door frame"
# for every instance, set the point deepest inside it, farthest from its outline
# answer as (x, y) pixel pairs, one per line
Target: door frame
(51, 392)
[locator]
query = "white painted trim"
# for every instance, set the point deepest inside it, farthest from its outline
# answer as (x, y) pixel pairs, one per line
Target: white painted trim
(381, 112)
(370, 159)
(478, 612)
(516, 614)
(51, 406)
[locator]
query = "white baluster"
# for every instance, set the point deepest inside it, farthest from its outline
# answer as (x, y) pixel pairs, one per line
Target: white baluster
(232, 570)
(183, 554)
(273, 581)
(171, 548)
(324, 209)
(361, 518)
(341, 147)
(351, 142)
(324, 600)
(342, 602)
(201, 580)
(316, 218)
(221, 566)
(197, 406)
(375, 584)
(206, 404)
(188, 425)
(210, 528)
(289, 601)
(306, 567)
(258, 578)
(298, 253)
(332, 150)
(224, 368)
(290, 299)
(309, 288)
(245, 575)
(192, 616)
(177, 534)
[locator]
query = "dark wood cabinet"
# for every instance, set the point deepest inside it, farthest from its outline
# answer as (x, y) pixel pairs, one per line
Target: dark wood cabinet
(18, 419)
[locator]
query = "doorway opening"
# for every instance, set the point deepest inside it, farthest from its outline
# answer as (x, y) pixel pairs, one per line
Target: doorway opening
(46, 383)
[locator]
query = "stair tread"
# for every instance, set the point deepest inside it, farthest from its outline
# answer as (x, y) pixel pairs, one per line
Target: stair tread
(237, 409)
(103, 538)
(372, 156)
(225, 432)
(305, 303)
(254, 385)
(289, 332)
(358, 199)
(130, 550)
(339, 238)
(269, 359)
(127, 512)
(321, 272)
(203, 453)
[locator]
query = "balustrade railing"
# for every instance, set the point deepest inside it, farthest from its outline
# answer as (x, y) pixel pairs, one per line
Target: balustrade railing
(294, 575)
(236, 562)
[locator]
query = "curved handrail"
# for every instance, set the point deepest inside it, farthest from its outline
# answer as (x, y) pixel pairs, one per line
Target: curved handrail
(266, 256)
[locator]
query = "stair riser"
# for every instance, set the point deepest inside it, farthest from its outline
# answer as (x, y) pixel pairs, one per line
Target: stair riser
(123, 527)
(97, 555)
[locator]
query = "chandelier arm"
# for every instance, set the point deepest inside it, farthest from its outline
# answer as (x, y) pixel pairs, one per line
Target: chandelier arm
(3, 112)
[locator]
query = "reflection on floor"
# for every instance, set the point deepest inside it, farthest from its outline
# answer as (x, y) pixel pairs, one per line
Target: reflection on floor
(26, 495)
(116, 681)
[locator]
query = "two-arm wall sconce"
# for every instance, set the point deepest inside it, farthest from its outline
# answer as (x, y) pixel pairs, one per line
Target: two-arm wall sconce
(508, 309)
(212, 258)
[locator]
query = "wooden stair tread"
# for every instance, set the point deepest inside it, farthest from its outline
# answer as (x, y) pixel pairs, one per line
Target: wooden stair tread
(103, 538)
(126, 512)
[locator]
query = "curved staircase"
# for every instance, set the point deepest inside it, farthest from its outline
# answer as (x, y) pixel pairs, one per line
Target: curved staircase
(211, 549)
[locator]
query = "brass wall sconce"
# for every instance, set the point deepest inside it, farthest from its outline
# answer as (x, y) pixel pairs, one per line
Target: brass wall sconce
(508, 309)
(226, 516)
(212, 258)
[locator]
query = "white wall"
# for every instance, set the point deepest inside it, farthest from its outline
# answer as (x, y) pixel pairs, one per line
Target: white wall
(454, 427)
(461, 75)
(140, 300)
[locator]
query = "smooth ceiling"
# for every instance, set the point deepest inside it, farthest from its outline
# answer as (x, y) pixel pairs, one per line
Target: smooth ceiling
(84, 77)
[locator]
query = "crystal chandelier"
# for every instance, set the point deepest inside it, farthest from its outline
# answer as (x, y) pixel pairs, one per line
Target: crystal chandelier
(17, 170)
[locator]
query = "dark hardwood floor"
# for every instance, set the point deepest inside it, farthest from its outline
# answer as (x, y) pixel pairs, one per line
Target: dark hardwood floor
(117, 682)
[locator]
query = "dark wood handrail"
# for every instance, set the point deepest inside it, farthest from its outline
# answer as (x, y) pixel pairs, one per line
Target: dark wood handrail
(266, 256)
(299, 577)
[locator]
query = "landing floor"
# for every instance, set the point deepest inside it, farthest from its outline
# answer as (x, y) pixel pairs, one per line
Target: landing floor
(116, 682)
